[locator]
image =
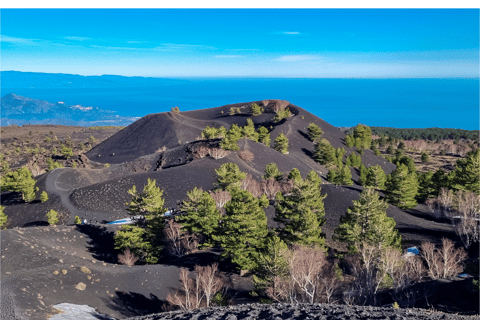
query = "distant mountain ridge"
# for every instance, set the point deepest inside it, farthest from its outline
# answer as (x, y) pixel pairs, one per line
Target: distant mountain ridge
(20, 110)
(18, 79)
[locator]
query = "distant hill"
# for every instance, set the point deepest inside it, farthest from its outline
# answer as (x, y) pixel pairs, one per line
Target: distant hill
(21, 110)
(17, 79)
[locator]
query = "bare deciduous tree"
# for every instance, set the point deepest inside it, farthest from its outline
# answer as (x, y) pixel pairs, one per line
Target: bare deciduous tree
(270, 187)
(179, 243)
(467, 221)
(197, 293)
(221, 197)
(217, 153)
(445, 261)
(127, 258)
(200, 152)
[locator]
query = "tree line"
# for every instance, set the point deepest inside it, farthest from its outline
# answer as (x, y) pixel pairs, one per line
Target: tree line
(426, 133)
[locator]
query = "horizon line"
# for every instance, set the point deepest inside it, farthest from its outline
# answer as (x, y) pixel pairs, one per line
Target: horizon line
(245, 77)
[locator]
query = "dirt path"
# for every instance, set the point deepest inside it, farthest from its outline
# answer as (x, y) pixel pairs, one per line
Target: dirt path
(64, 193)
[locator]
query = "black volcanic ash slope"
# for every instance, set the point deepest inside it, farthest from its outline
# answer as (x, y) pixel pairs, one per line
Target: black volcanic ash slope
(154, 131)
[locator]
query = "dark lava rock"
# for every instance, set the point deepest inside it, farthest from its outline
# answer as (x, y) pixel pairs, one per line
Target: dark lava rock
(302, 311)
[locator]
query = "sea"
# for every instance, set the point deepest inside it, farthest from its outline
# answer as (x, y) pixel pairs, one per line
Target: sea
(400, 103)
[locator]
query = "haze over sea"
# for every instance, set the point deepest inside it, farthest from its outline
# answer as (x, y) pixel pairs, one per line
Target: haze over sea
(400, 103)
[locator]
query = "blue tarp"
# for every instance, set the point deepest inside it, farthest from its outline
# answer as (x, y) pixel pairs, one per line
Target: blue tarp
(413, 250)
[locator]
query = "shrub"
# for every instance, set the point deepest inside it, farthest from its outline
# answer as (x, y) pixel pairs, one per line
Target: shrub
(52, 217)
(264, 136)
(200, 152)
(127, 258)
(175, 110)
(77, 220)
(3, 217)
(314, 132)
(256, 109)
(281, 143)
(246, 155)
(282, 114)
(44, 197)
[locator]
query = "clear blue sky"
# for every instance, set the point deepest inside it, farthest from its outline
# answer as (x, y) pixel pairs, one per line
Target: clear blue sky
(359, 43)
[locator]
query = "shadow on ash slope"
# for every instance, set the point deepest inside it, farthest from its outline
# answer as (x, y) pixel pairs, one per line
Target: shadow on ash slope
(302, 311)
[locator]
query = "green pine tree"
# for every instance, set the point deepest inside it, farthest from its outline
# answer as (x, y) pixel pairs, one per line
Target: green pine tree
(229, 174)
(273, 262)
(256, 110)
(52, 217)
(3, 217)
(201, 216)
(325, 153)
(77, 220)
(332, 175)
(66, 152)
(243, 230)
(349, 140)
(426, 188)
(439, 180)
(302, 212)
(363, 136)
(20, 180)
(249, 131)
(314, 132)
(281, 143)
(295, 175)
(264, 136)
(229, 142)
(425, 157)
(144, 238)
(345, 176)
(339, 153)
(467, 173)
(367, 222)
(271, 171)
(43, 197)
(402, 188)
(376, 177)
(362, 179)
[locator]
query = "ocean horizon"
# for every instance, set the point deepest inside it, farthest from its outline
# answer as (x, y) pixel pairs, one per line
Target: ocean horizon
(399, 103)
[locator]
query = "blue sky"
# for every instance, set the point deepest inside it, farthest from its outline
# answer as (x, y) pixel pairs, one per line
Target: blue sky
(318, 43)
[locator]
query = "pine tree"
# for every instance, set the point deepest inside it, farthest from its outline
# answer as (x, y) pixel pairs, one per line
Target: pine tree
(256, 110)
(243, 230)
(408, 162)
(324, 152)
(362, 179)
(467, 173)
(281, 143)
(314, 132)
(271, 171)
(148, 202)
(402, 188)
(376, 177)
(144, 238)
(229, 142)
(363, 136)
(229, 174)
(77, 220)
(302, 213)
(390, 150)
(345, 176)
(264, 136)
(439, 180)
(349, 140)
(3, 217)
(272, 263)
(67, 152)
(43, 197)
(339, 153)
(52, 217)
(332, 176)
(295, 175)
(249, 131)
(367, 222)
(20, 180)
(426, 188)
(201, 216)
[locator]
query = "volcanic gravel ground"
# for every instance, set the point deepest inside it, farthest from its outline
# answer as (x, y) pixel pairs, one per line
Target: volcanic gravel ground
(302, 311)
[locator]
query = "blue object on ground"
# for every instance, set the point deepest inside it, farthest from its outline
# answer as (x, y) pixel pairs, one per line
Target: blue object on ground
(413, 250)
